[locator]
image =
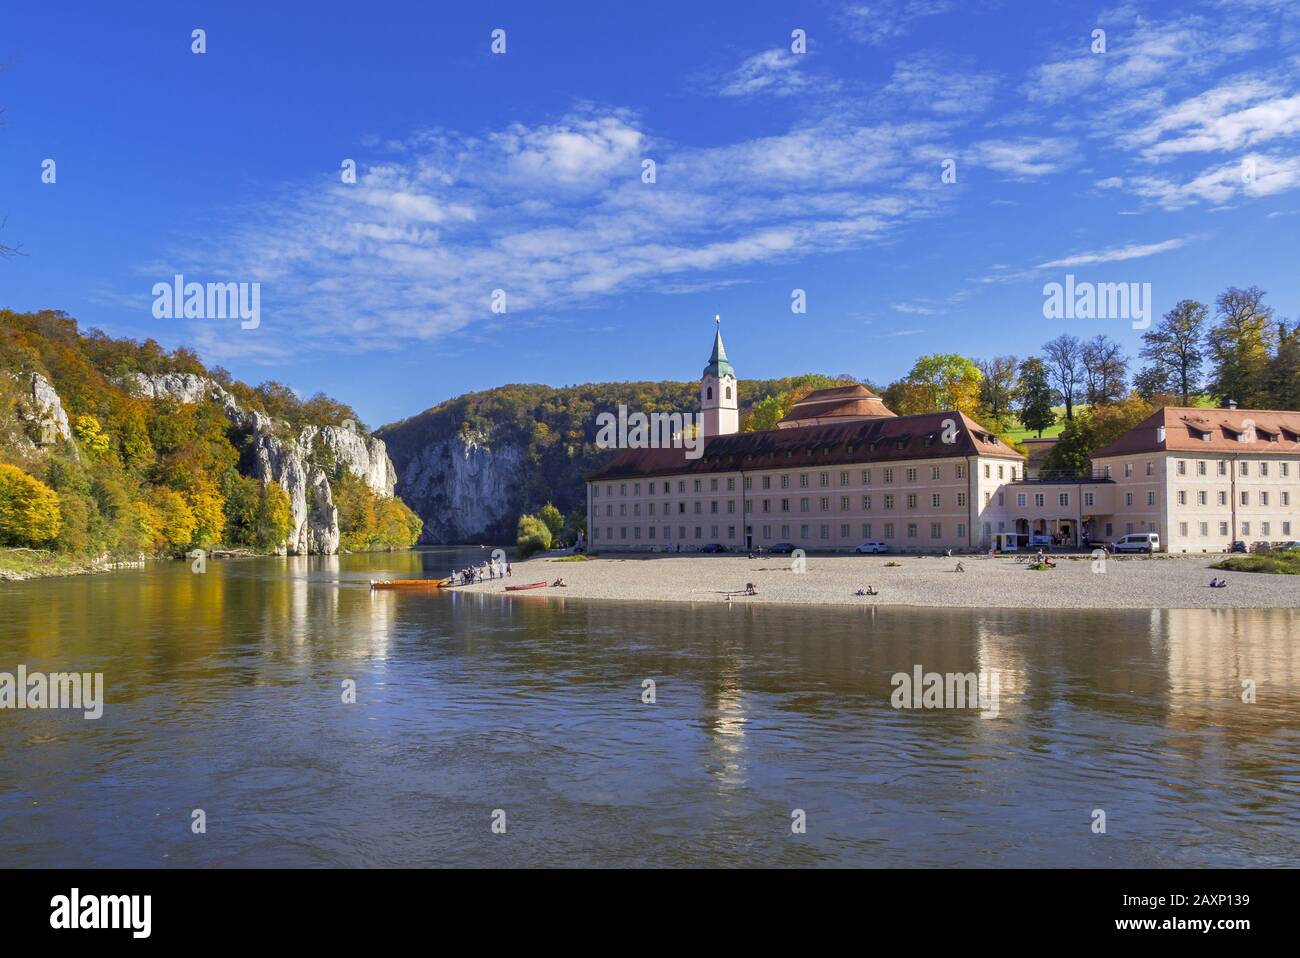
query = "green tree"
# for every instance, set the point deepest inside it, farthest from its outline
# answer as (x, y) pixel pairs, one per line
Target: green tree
(1240, 345)
(999, 385)
(1036, 396)
(941, 382)
(554, 520)
(533, 536)
(1175, 351)
(1282, 381)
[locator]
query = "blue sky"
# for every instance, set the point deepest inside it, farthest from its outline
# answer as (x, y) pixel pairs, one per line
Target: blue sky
(522, 171)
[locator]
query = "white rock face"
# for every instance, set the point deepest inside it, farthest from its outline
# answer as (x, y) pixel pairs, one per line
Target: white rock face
(461, 487)
(363, 455)
(49, 410)
(287, 461)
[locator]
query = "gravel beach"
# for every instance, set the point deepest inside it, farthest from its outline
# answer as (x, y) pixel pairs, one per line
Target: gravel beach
(1130, 582)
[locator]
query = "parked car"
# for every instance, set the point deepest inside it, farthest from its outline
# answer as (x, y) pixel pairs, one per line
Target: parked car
(782, 548)
(1138, 542)
(1284, 546)
(1238, 546)
(713, 547)
(874, 547)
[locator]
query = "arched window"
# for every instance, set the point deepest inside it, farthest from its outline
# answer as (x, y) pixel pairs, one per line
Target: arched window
(728, 392)
(708, 392)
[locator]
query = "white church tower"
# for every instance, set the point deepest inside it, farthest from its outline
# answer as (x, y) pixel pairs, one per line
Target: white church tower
(718, 400)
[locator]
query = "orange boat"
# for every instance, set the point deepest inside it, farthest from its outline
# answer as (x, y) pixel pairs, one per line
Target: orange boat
(408, 584)
(530, 585)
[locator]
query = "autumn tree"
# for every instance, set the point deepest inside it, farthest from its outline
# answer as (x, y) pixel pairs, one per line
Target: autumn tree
(1105, 370)
(29, 509)
(1240, 346)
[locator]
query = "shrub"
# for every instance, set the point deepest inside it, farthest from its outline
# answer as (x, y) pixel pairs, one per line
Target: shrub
(534, 536)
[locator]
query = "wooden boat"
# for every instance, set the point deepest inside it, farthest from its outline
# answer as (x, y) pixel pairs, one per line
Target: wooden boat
(408, 584)
(530, 585)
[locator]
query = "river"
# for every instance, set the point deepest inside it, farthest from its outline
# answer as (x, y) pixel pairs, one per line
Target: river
(225, 693)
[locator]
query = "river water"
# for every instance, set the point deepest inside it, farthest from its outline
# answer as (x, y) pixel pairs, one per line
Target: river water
(224, 692)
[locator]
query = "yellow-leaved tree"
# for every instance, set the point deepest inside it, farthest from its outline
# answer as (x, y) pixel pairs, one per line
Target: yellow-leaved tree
(29, 509)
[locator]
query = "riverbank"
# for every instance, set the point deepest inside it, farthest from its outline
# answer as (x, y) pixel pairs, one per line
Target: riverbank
(1130, 582)
(18, 565)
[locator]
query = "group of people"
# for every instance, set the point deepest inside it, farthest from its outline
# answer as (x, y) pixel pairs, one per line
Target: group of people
(1217, 583)
(481, 573)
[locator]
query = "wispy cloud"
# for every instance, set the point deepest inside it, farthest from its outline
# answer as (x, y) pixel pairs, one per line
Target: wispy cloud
(1026, 156)
(777, 72)
(887, 20)
(556, 216)
(1115, 255)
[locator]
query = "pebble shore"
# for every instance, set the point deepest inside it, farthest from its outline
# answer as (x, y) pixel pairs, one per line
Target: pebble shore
(1129, 582)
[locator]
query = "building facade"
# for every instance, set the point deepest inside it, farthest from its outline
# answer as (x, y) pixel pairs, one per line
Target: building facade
(842, 469)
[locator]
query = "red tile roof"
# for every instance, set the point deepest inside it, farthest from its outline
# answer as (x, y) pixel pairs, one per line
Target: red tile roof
(839, 402)
(1185, 427)
(891, 439)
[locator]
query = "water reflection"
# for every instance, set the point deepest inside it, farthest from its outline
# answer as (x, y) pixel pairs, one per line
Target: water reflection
(224, 693)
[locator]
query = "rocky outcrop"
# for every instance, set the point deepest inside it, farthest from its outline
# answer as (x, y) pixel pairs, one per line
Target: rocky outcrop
(49, 412)
(463, 488)
(287, 459)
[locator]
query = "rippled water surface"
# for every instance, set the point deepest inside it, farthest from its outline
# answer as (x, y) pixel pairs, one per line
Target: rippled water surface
(224, 693)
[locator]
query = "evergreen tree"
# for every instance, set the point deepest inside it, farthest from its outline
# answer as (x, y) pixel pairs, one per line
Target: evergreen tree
(1036, 396)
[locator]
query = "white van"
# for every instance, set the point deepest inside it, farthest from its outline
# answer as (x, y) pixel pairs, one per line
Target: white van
(1138, 542)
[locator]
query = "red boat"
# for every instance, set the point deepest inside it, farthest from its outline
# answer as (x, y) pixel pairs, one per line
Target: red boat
(530, 585)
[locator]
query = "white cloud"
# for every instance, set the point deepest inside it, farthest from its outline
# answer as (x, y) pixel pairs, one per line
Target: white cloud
(1115, 255)
(886, 21)
(1235, 116)
(1026, 156)
(1254, 176)
(775, 72)
(927, 80)
(555, 215)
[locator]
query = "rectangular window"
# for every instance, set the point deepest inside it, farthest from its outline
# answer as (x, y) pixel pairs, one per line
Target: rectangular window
(785, 532)
(961, 472)
(1223, 528)
(1200, 467)
(825, 531)
(1064, 499)
(824, 504)
(1182, 529)
(911, 500)
(1204, 529)
(803, 504)
(844, 478)
(866, 503)
(961, 499)
(767, 482)
(1151, 498)
(936, 530)
(1245, 529)
(785, 482)
(889, 502)
(1201, 498)
(844, 532)
(1128, 498)
(889, 475)
(803, 480)
(1040, 500)
(961, 530)
(1182, 497)
(934, 473)
(803, 532)
(844, 503)
(934, 501)
(911, 530)
(1089, 499)
(1182, 467)
(911, 475)
(866, 530)
(866, 477)
(824, 478)
(889, 530)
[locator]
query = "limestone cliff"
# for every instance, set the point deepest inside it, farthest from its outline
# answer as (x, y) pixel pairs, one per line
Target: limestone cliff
(289, 458)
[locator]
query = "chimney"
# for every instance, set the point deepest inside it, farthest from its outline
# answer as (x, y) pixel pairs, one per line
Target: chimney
(1230, 404)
